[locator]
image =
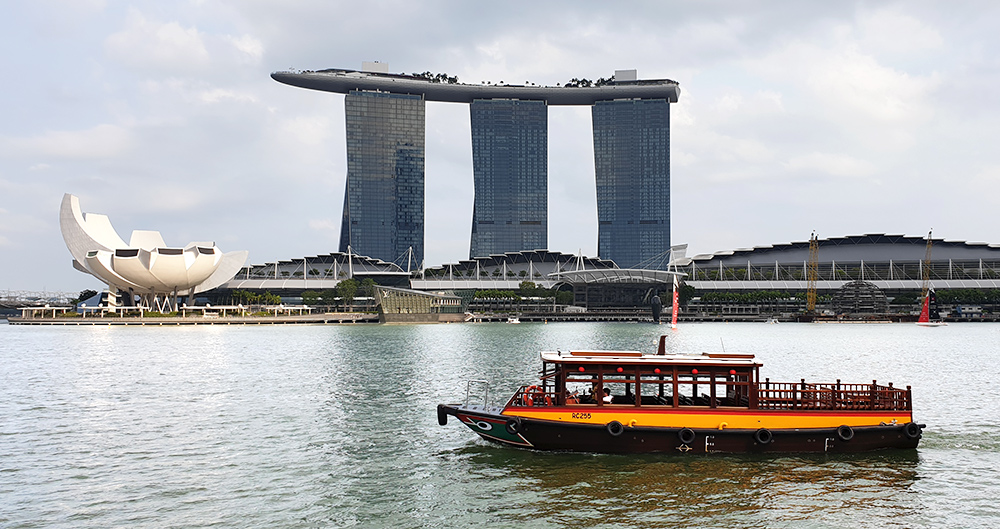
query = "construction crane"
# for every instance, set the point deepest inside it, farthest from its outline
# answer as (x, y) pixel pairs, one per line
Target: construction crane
(812, 274)
(926, 268)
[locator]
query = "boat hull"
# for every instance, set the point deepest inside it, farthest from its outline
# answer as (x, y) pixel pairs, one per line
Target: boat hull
(617, 438)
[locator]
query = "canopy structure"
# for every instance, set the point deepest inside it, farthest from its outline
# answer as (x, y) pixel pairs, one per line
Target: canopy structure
(616, 275)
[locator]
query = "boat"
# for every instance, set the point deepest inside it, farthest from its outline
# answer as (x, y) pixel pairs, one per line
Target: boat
(929, 316)
(631, 402)
(675, 307)
(513, 319)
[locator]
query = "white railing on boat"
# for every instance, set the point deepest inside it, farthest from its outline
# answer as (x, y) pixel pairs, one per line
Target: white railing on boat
(472, 389)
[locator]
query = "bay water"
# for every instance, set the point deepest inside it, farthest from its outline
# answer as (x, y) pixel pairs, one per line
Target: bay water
(335, 426)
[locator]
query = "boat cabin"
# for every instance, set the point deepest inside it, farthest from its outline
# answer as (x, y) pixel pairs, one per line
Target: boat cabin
(708, 380)
(632, 378)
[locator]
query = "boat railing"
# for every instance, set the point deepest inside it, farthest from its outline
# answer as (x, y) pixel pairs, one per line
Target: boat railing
(772, 396)
(478, 390)
(836, 396)
(532, 396)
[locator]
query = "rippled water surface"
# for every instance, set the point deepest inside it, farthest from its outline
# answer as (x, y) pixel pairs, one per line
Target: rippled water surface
(335, 426)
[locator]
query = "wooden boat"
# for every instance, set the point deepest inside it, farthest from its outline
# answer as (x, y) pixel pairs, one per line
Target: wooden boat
(695, 403)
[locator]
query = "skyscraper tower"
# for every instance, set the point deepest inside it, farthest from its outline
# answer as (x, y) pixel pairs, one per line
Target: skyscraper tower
(384, 199)
(632, 165)
(510, 170)
(383, 203)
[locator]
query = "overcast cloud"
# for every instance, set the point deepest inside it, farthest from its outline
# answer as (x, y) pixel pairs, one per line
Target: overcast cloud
(839, 117)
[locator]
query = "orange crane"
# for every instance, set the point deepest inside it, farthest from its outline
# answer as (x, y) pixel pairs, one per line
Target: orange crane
(929, 316)
(812, 274)
(926, 268)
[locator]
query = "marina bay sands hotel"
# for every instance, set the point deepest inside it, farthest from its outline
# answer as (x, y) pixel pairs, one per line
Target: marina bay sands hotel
(383, 213)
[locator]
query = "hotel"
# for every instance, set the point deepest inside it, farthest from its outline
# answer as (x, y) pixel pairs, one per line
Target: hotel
(383, 213)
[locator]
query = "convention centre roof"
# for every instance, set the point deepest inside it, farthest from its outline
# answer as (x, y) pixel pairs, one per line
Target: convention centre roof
(888, 261)
(870, 247)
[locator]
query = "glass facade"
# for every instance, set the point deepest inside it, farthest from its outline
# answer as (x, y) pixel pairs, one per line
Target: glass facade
(384, 200)
(510, 169)
(632, 165)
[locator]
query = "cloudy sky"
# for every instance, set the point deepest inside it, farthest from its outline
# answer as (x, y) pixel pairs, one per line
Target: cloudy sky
(839, 117)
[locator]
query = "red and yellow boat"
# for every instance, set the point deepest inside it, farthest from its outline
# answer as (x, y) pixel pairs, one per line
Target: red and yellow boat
(630, 402)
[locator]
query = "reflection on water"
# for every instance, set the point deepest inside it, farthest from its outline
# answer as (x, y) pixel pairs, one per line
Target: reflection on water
(335, 426)
(584, 490)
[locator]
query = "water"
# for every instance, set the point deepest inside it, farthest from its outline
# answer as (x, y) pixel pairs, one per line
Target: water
(335, 426)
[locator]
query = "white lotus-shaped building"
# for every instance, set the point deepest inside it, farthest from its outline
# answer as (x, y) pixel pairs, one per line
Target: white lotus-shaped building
(145, 267)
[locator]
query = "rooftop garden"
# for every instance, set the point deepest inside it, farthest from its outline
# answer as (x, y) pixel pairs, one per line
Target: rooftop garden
(587, 83)
(436, 77)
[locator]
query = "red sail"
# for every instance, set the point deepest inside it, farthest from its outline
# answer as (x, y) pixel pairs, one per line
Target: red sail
(673, 317)
(925, 311)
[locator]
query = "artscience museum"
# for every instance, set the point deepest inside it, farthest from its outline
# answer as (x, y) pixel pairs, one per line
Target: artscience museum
(144, 272)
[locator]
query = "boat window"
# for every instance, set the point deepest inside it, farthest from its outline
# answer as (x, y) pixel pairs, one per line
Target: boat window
(578, 392)
(713, 387)
(656, 390)
(650, 385)
(621, 381)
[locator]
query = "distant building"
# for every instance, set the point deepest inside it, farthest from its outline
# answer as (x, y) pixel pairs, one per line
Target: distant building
(632, 162)
(890, 267)
(290, 277)
(510, 142)
(892, 263)
(860, 297)
(143, 272)
(510, 169)
(507, 271)
(401, 305)
(384, 200)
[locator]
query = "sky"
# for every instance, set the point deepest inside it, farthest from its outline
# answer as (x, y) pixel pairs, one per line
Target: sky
(842, 118)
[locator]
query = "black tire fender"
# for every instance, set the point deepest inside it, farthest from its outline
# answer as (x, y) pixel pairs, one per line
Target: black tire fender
(912, 430)
(845, 433)
(442, 415)
(686, 435)
(763, 436)
(513, 426)
(615, 428)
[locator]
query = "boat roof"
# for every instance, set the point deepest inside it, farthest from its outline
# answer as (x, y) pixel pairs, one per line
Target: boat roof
(636, 357)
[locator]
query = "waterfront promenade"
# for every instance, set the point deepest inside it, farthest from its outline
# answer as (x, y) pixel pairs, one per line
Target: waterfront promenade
(324, 318)
(524, 317)
(56, 316)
